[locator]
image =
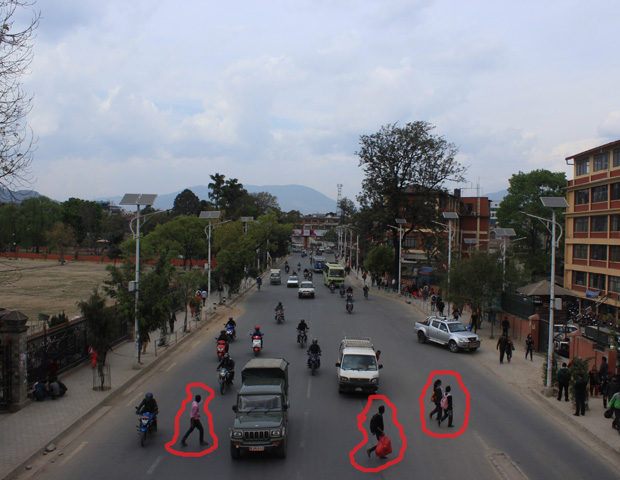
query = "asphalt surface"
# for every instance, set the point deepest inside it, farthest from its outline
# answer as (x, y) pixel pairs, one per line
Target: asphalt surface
(509, 428)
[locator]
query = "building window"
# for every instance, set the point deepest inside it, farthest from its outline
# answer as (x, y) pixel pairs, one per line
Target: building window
(614, 191)
(614, 253)
(601, 162)
(579, 278)
(598, 252)
(599, 223)
(599, 194)
(410, 242)
(614, 284)
(580, 251)
(582, 166)
(614, 223)
(617, 157)
(597, 281)
(582, 197)
(581, 224)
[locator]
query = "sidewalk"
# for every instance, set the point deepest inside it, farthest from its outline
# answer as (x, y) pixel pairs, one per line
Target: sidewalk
(524, 376)
(27, 433)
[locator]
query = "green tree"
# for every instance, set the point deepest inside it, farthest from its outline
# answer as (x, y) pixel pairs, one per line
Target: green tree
(85, 218)
(155, 301)
(404, 170)
(380, 260)
(347, 209)
(61, 237)
(216, 186)
(182, 235)
(187, 283)
(524, 193)
(186, 203)
(10, 226)
(38, 216)
(101, 324)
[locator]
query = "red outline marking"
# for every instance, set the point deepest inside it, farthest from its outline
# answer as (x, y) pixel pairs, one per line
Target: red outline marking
(361, 418)
(436, 373)
(171, 444)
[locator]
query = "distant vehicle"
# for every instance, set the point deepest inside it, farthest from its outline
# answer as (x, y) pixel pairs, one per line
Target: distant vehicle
(306, 289)
(358, 370)
(333, 272)
(296, 248)
(561, 344)
(565, 328)
(447, 332)
(329, 250)
(292, 282)
(274, 277)
(319, 264)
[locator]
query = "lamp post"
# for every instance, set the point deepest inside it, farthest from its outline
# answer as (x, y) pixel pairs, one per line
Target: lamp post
(504, 233)
(400, 222)
(209, 215)
(552, 203)
(137, 199)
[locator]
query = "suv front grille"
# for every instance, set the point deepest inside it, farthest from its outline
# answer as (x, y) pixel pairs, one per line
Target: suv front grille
(256, 435)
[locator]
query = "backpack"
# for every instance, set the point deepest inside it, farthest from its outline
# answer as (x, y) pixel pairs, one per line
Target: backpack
(434, 396)
(444, 402)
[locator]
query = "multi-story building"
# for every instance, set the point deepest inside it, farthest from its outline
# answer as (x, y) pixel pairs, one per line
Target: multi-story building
(592, 255)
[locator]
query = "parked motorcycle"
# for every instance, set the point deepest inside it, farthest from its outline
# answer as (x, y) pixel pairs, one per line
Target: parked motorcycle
(145, 426)
(221, 349)
(257, 344)
(224, 378)
(314, 362)
(302, 337)
(230, 333)
(279, 316)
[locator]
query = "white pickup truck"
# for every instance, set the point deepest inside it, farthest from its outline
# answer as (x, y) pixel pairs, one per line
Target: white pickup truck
(447, 332)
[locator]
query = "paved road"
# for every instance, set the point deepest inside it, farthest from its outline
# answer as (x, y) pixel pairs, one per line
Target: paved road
(503, 431)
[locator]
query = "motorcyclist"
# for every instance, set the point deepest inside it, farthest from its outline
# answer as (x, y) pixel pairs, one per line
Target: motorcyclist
(223, 337)
(233, 324)
(332, 286)
(149, 404)
(342, 289)
(279, 309)
(302, 327)
(305, 273)
(365, 291)
(350, 290)
(314, 349)
(229, 364)
(258, 333)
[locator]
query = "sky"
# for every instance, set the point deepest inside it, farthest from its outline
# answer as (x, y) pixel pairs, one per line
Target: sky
(153, 96)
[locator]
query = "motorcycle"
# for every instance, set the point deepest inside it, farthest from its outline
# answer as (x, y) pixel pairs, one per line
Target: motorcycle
(257, 344)
(224, 378)
(314, 362)
(279, 316)
(366, 293)
(302, 337)
(287, 268)
(145, 426)
(342, 291)
(221, 349)
(230, 333)
(332, 287)
(350, 304)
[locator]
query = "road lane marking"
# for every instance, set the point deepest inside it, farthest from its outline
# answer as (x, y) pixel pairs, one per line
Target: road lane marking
(70, 456)
(154, 466)
(135, 399)
(196, 343)
(309, 389)
(170, 367)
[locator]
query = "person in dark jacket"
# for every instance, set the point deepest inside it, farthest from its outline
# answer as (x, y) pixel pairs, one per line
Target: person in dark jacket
(436, 398)
(581, 387)
(149, 404)
(563, 381)
(529, 347)
(501, 346)
(447, 412)
(376, 428)
(612, 387)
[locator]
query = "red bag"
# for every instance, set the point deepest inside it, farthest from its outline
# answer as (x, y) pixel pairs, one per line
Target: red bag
(384, 448)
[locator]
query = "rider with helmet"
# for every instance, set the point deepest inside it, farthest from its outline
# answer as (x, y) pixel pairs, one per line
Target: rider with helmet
(149, 404)
(302, 327)
(314, 349)
(280, 309)
(258, 333)
(223, 337)
(233, 324)
(229, 364)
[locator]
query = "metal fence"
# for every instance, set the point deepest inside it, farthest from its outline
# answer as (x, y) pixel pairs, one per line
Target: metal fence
(6, 371)
(517, 305)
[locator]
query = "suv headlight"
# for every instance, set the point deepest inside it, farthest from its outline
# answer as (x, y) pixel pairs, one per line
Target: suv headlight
(275, 432)
(344, 379)
(237, 434)
(374, 380)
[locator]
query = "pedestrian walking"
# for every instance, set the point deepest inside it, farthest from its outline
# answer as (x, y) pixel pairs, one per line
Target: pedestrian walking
(203, 296)
(581, 387)
(612, 387)
(614, 405)
(436, 399)
(446, 406)
(594, 381)
(433, 302)
(529, 347)
(563, 376)
(510, 347)
(475, 319)
(501, 346)
(376, 428)
(171, 319)
(440, 305)
(505, 326)
(195, 422)
(145, 339)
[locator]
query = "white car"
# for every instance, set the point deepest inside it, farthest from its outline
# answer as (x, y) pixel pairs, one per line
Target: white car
(568, 328)
(306, 289)
(292, 282)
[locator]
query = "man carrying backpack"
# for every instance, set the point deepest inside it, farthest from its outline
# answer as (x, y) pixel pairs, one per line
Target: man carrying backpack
(376, 428)
(563, 381)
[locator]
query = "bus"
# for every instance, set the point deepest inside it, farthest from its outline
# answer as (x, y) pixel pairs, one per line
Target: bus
(333, 272)
(319, 264)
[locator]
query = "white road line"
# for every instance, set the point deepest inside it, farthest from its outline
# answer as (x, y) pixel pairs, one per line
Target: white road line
(196, 343)
(134, 400)
(170, 367)
(67, 458)
(309, 389)
(154, 466)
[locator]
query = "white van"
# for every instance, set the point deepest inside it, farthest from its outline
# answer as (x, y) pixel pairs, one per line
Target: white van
(274, 276)
(358, 368)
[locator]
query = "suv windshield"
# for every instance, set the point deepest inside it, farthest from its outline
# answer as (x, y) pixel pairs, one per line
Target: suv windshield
(249, 403)
(456, 327)
(359, 362)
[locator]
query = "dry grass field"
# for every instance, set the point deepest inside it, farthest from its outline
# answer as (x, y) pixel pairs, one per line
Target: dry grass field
(45, 286)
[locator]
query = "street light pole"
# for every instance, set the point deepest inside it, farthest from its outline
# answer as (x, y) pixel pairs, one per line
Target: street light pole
(209, 215)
